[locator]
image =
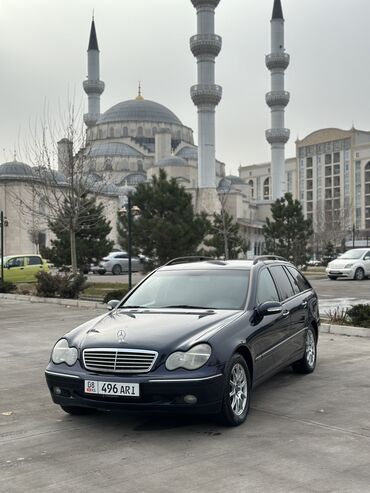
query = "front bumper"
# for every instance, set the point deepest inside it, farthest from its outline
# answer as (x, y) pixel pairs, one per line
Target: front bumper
(331, 272)
(156, 393)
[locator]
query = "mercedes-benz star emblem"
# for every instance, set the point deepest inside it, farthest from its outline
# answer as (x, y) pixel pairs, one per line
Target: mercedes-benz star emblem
(121, 335)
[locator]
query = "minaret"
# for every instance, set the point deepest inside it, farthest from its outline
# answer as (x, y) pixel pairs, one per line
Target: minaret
(206, 95)
(277, 62)
(93, 86)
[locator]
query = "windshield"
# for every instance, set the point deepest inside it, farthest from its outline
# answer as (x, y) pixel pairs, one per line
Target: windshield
(352, 254)
(224, 290)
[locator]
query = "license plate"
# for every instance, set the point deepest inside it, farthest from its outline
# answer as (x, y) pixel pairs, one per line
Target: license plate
(112, 388)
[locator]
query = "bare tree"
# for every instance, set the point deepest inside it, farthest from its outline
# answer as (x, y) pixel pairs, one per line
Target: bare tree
(60, 178)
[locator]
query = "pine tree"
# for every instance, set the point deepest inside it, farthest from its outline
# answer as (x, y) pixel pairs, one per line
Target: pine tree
(289, 232)
(91, 235)
(167, 226)
(226, 240)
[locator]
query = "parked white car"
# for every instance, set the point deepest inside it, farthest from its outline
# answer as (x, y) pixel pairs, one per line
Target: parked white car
(117, 263)
(354, 264)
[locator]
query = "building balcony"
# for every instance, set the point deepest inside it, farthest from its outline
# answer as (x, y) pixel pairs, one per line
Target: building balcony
(277, 135)
(277, 98)
(205, 3)
(205, 44)
(90, 119)
(209, 94)
(277, 61)
(93, 86)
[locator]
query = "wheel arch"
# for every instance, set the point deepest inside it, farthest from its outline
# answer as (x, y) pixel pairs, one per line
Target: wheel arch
(244, 351)
(316, 329)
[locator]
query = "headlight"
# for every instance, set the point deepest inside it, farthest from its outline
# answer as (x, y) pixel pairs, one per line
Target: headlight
(348, 266)
(193, 359)
(62, 353)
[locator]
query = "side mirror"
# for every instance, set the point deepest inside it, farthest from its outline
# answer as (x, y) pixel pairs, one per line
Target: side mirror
(270, 308)
(111, 305)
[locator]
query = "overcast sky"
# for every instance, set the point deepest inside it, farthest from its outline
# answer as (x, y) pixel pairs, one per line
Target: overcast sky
(43, 47)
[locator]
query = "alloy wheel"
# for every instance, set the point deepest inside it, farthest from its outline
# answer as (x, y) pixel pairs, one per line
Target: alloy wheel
(238, 389)
(310, 348)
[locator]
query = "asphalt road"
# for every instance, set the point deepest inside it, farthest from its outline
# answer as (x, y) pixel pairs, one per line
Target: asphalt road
(304, 433)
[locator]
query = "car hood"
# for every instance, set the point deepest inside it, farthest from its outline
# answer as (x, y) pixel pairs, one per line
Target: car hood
(156, 330)
(341, 263)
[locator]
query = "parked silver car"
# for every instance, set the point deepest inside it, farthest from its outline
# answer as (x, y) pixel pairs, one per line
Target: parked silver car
(117, 263)
(354, 264)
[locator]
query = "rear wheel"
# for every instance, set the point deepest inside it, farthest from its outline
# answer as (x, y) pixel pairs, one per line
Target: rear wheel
(78, 411)
(308, 363)
(359, 274)
(117, 270)
(236, 400)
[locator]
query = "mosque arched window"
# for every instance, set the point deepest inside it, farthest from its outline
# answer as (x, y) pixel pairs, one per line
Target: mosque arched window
(140, 166)
(111, 132)
(251, 184)
(178, 135)
(140, 131)
(367, 196)
(154, 131)
(125, 132)
(108, 164)
(266, 189)
(100, 133)
(125, 165)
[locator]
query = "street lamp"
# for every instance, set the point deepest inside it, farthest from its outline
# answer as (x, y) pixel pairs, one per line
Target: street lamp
(131, 211)
(3, 223)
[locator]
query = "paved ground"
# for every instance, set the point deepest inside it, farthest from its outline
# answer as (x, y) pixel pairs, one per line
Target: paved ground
(304, 433)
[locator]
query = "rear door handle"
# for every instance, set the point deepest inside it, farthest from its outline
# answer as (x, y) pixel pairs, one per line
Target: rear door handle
(285, 313)
(304, 304)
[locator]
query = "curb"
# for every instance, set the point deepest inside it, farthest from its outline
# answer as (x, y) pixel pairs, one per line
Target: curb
(345, 330)
(53, 301)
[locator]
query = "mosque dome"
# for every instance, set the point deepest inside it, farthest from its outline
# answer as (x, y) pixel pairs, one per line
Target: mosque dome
(15, 169)
(139, 110)
(230, 181)
(172, 161)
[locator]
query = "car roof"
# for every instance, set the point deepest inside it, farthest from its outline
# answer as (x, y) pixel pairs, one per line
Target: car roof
(210, 264)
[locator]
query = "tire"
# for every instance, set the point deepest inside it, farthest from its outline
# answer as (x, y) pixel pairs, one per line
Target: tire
(333, 278)
(235, 409)
(116, 270)
(101, 272)
(307, 364)
(359, 274)
(78, 411)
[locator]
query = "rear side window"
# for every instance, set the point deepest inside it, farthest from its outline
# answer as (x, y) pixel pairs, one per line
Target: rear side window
(34, 260)
(122, 255)
(282, 281)
(266, 289)
(298, 280)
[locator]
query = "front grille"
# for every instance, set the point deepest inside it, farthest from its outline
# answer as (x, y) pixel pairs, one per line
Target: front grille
(119, 360)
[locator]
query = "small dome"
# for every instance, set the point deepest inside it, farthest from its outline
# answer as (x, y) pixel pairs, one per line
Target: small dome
(139, 110)
(172, 161)
(230, 181)
(15, 169)
(188, 153)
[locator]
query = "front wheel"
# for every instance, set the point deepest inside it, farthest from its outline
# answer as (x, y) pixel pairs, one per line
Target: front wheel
(236, 400)
(308, 363)
(78, 411)
(359, 274)
(332, 278)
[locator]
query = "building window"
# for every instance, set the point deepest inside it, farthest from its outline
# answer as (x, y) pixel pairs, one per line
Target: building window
(251, 184)
(309, 195)
(328, 182)
(140, 131)
(125, 132)
(266, 189)
(328, 193)
(289, 181)
(337, 181)
(336, 157)
(140, 166)
(336, 169)
(111, 132)
(328, 170)
(309, 162)
(327, 158)
(309, 173)
(309, 184)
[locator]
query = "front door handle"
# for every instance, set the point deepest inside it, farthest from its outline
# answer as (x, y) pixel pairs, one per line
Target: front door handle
(304, 304)
(285, 313)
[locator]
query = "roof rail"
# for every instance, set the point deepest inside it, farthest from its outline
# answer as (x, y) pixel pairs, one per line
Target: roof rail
(262, 258)
(184, 260)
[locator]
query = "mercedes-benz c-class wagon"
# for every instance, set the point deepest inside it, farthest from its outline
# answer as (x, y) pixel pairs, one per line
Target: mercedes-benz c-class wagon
(193, 336)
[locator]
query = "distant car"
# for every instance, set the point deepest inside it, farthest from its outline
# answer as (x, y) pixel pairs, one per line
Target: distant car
(314, 263)
(354, 264)
(191, 337)
(23, 268)
(117, 263)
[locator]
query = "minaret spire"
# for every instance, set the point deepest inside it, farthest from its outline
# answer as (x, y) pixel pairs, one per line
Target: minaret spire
(206, 95)
(277, 62)
(93, 86)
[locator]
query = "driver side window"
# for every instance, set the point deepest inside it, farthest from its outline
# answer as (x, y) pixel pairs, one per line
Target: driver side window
(266, 289)
(16, 262)
(367, 256)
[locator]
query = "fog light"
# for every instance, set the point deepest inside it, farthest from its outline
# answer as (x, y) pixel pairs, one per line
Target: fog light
(190, 399)
(57, 390)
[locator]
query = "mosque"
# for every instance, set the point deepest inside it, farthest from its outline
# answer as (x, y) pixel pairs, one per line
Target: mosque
(131, 141)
